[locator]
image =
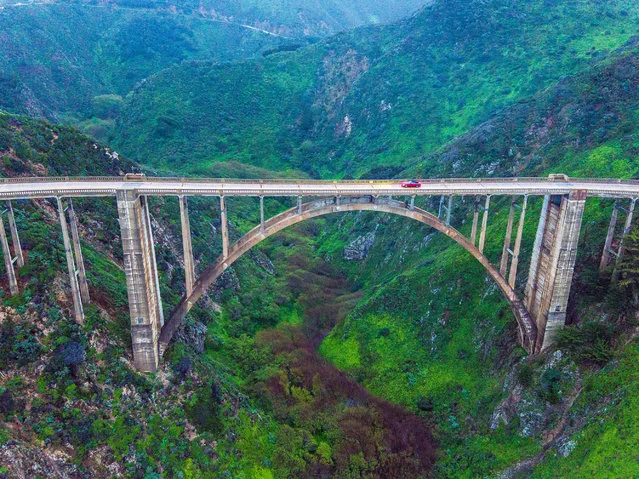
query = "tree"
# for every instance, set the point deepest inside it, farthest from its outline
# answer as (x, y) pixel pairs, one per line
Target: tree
(71, 354)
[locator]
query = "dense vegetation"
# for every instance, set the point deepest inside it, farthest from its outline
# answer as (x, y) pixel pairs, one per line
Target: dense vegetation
(372, 98)
(289, 18)
(76, 61)
(462, 89)
(265, 406)
(69, 62)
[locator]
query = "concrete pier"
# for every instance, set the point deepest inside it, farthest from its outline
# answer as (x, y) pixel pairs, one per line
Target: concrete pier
(449, 210)
(626, 229)
(520, 230)
(503, 264)
(225, 228)
(78, 310)
(605, 254)
(473, 233)
(145, 304)
(262, 214)
(187, 246)
(484, 225)
(536, 253)
(79, 259)
(8, 261)
(15, 238)
(551, 272)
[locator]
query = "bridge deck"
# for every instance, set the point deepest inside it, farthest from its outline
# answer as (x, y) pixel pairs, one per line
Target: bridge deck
(16, 188)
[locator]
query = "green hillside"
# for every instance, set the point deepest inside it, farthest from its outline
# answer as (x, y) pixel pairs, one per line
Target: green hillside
(305, 362)
(75, 61)
(448, 337)
(71, 62)
(228, 401)
(375, 97)
(290, 18)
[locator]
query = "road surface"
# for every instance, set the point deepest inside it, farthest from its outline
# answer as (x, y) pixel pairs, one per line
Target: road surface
(17, 188)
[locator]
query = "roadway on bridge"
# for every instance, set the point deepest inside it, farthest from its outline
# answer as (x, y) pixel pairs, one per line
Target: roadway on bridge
(105, 186)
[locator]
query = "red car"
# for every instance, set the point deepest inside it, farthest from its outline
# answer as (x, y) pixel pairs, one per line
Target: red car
(411, 184)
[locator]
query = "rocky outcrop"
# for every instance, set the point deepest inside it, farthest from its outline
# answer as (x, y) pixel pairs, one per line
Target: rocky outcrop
(193, 334)
(359, 248)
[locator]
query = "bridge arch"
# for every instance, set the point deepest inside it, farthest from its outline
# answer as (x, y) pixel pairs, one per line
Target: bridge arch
(527, 327)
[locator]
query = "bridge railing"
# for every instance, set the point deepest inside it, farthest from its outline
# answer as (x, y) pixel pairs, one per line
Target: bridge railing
(155, 179)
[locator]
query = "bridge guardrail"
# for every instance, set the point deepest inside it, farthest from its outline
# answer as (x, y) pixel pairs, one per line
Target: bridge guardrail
(154, 179)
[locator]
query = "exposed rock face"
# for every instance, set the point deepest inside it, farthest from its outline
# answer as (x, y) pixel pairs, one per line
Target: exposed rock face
(193, 334)
(358, 249)
(339, 72)
(263, 261)
(344, 128)
(227, 281)
(23, 461)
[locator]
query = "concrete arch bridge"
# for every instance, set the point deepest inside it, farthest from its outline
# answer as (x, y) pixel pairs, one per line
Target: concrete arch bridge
(539, 314)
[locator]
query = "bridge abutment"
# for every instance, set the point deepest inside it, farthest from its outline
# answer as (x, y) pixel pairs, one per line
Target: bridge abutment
(553, 262)
(145, 303)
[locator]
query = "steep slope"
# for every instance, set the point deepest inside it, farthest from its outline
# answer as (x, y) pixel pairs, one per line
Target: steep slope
(68, 62)
(248, 394)
(375, 97)
(438, 338)
(71, 61)
(71, 404)
(290, 18)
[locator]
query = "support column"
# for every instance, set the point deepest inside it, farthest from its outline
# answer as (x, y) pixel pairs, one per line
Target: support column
(187, 246)
(536, 253)
(8, 261)
(15, 238)
(79, 259)
(484, 224)
(473, 233)
(412, 203)
(548, 295)
(605, 255)
(262, 214)
(449, 210)
(299, 205)
(441, 207)
(503, 265)
(145, 304)
(626, 229)
(152, 263)
(225, 229)
(520, 230)
(73, 279)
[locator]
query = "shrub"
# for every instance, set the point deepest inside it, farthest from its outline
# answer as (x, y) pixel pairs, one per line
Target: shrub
(205, 411)
(525, 375)
(71, 354)
(590, 341)
(183, 367)
(7, 404)
(550, 382)
(425, 404)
